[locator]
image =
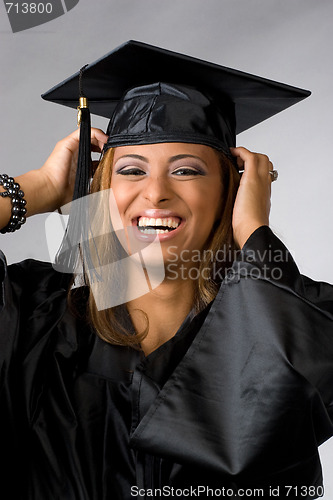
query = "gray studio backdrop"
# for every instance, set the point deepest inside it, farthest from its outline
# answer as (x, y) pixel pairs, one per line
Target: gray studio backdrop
(285, 40)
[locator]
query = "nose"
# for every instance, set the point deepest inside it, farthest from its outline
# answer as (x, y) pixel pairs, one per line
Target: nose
(157, 190)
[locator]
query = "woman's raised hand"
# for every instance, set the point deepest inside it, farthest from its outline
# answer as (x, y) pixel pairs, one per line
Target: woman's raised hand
(59, 169)
(52, 186)
(253, 200)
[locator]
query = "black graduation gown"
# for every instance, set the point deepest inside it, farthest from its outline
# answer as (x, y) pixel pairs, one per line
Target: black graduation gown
(239, 398)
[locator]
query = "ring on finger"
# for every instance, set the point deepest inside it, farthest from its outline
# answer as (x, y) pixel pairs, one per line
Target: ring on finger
(274, 174)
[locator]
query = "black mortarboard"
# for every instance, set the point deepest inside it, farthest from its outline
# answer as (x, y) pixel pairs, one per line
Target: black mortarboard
(163, 96)
(153, 95)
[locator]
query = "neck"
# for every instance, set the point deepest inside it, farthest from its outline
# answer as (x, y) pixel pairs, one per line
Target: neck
(166, 308)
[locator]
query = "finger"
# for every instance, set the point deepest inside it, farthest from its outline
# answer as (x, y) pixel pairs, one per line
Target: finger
(253, 162)
(265, 167)
(98, 138)
(241, 152)
(245, 157)
(240, 163)
(247, 161)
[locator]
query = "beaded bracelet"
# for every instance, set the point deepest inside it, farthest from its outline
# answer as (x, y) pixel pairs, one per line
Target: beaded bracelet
(14, 192)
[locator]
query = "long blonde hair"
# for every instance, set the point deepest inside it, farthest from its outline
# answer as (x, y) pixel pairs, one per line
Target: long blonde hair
(109, 323)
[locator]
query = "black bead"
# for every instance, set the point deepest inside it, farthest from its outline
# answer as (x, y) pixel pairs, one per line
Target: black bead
(12, 190)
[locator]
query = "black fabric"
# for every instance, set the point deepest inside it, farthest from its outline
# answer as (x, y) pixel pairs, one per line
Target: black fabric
(240, 397)
(135, 64)
(163, 112)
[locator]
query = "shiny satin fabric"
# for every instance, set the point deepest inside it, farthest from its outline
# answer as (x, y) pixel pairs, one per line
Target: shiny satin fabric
(163, 112)
(136, 64)
(240, 397)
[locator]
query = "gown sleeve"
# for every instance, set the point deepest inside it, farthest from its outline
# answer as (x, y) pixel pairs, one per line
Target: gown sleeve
(252, 398)
(270, 256)
(32, 299)
(6, 340)
(29, 290)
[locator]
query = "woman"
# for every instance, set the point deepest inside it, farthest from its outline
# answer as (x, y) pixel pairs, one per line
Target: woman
(215, 386)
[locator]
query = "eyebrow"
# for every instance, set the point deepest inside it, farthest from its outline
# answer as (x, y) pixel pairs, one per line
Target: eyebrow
(184, 156)
(171, 160)
(137, 157)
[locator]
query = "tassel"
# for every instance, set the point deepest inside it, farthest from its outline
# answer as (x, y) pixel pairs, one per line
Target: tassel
(84, 163)
(75, 245)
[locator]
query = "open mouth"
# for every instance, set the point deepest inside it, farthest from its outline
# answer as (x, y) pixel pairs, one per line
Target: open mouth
(150, 225)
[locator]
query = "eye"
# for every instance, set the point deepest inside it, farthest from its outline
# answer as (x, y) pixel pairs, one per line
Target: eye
(186, 171)
(130, 171)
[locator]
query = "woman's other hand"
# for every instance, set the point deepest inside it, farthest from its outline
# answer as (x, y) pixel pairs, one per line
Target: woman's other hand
(253, 200)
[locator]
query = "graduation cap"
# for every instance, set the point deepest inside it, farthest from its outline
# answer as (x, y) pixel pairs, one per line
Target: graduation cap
(153, 95)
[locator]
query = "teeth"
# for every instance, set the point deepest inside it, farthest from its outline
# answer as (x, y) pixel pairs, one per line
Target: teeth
(153, 231)
(167, 222)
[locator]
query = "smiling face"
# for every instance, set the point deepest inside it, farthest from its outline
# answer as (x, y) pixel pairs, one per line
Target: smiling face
(172, 190)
